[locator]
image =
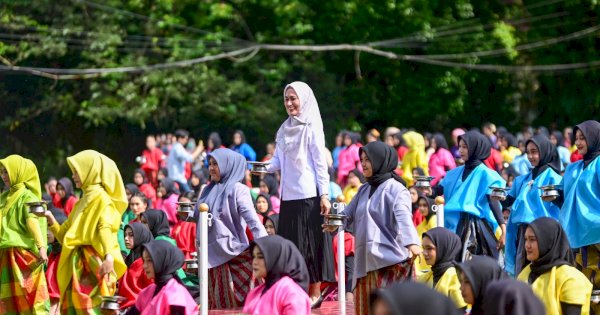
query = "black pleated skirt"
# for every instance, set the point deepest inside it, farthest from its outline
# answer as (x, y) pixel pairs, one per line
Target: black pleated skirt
(300, 222)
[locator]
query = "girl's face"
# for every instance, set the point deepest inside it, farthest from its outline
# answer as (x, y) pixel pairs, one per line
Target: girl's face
(148, 264)
(381, 307)
(258, 264)
(463, 150)
(429, 251)
(415, 173)
(261, 205)
(533, 154)
(213, 170)
(263, 187)
(366, 165)
(270, 148)
(60, 190)
(77, 179)
(347, 141)
(237, 139)
(353, 180)
(160, 176)
(195, 180)
(138, 179)
(414, 195)
(466, 289)
(554, 140)
(184, 199)
(423, 207)
(580, 142)
(4, 175)
(338, 140)
(129, 194)
(137, 205)
(531, 245)
(270, 227)
(129, 238)
(433, 144)
(292, 102)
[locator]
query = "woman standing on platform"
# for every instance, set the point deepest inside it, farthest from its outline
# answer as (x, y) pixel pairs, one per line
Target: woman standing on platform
(22, 241)
(300, 155)
(386, 241)
(90, 251)
(524, 199)
(232, 209)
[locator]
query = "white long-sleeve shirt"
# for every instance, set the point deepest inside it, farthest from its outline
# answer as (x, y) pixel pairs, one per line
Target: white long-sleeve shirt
(299, 182)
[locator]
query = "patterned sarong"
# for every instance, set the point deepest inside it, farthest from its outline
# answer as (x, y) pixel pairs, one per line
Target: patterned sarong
(84, 293)
(380, 278)
(23, 288)
(230, 282)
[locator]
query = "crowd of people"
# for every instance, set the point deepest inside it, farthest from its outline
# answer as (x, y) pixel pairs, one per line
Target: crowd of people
(504, 246)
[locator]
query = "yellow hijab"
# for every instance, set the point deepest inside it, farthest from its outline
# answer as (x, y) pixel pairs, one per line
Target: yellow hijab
(24, 187)
(415, 156)
(103, 198)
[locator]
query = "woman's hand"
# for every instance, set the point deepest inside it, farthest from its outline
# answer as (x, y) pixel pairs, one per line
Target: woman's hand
(50, 217)
(549, 198)
(414, 251)
(502, 239)
(325, 205)
(107, 265)
(425, 190)
(498, 198)
(329, 228)
(43, 255)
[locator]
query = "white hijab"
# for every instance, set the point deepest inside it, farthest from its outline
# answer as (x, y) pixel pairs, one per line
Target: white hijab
(295, 131)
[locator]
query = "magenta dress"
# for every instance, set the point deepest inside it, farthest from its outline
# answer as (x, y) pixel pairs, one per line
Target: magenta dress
(285, 297)
(172, 294)
(439, 163)
(169, 206)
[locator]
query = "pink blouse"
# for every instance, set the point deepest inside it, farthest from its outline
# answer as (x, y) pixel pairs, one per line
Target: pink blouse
(348, 160)
(169, 206)
(172, 293)
(439, 163)
(285, 297)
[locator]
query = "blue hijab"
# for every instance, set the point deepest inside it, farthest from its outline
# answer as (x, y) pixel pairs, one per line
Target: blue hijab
(232, 167)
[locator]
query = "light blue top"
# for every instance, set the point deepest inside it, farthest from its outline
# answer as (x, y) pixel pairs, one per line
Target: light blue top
(521, 164)
(527, 207)
(383, 227)
(580, 214)
(469, 196)
(565, 156)
(176, 162)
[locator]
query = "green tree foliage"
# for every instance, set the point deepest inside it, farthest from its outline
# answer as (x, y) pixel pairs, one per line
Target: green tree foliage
(49, 119)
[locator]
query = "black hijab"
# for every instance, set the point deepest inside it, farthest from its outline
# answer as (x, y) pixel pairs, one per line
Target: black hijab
(141, 236)
(384, 160)
(511, 297)
(560, 140)
(553, 246)
(591, 131)
(167, 259)
(402, 300)
(275, 219)
(480, 271)
(447, 246)
(479, 148)
(282, 258)
(272, 184)
(511, 141)
(548, 155)
(157, 222)
(216, 140)
(430, 202)
(66, 183)
(269, 206)
(170, 188)
(133, 188)
(440, 141)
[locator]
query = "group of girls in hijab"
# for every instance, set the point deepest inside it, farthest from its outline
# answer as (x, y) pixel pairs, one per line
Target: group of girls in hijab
(270, 186)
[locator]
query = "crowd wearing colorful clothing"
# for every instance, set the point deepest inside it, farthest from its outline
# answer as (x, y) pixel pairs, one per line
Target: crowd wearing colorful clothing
(503, 244)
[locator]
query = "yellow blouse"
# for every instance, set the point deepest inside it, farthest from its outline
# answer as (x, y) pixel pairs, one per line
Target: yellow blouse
(561, 284)
(349, 193)
(448, 285)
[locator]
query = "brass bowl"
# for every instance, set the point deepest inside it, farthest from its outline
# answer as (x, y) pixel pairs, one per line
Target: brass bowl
(37, 207)
(259, 167)
(423, 181)
(112, 303)
(334, 219)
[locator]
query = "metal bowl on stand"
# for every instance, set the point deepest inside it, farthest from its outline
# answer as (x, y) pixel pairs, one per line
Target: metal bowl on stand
(185, 210)
(595, 296)
(191, 265)
(550, 191)
(499, 192)
(334, 219)
(423, 181)
(37, 207)
(258, 167)
(112, 303)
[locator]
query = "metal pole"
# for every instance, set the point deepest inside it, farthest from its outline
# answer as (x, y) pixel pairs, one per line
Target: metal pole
(341, 257)
(203, 259)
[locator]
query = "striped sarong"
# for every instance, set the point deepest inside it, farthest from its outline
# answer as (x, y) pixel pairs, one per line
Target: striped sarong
(84, 293)
(23, 288)
(380, 278)
(230, 282)
(588, 261)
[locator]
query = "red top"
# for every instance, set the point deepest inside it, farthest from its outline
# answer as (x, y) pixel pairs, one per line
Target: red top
(68, 206)
(494, 162)
(184, 234)
(133, 282)
(154, 160)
